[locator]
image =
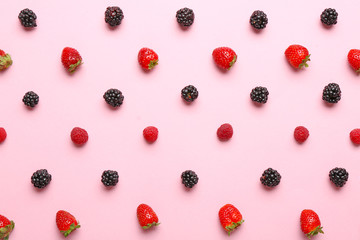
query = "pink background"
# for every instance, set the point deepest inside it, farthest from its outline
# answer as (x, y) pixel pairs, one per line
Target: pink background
(229, 172)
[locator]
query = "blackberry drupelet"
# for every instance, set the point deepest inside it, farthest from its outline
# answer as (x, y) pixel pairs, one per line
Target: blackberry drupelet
(185, 17)
(270, 178)
(329, 16)
(27, 18)
(258, 19)
(339, 176)
(114, 97)
(189, 93)
(189, 178)
(41, 178)
(31, 99)
(259, 94)
(110, 178)
(113, 16)
(332, 93)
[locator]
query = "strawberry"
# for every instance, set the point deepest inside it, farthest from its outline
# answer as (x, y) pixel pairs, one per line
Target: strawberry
(146, 216)
(354, 59)
(147, 58)
(5, 60)
(71, 59)
(310, 223)
(297, 56)
(224, 57)
(230, 218)
(66, 222)
(6, 227)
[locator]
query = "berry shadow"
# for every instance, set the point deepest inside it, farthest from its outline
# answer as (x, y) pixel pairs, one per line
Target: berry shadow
(354, 144)
(334, 187)
(113, 28)
(257, 104)
(328, 105)
(108, 189)
(353, 71)
(328, 27)
(255, 30)
(111, 107)
(295, 70)
(149, 230)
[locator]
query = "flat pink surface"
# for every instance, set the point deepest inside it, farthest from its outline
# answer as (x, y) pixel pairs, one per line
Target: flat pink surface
(229, 171)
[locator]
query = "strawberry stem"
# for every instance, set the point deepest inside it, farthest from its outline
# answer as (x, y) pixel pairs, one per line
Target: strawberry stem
(314, 232)
(303, 63)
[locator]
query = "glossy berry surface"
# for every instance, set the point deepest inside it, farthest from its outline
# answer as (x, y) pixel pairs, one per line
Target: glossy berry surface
(150, 134)
(225, 132)
(301, 133)
(79, 136)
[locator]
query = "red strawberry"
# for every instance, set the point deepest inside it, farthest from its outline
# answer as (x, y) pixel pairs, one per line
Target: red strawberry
(71, 59)
(224, 57)
(146, 216)
(297, 56)
(6, 227)
(147, 58)
(354, 59)
(5, 60)
(66, 222)
(230, 218)
(310, 223)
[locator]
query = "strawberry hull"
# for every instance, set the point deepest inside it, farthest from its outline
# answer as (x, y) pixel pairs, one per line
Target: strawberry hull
(5, 231)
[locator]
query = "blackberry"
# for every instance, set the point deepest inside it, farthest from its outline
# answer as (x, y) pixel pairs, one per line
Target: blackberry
(41, 178)
(339, 176)
(259, 94)
(110, 178)
(189, 178)
(185, 17)
(27, 18)
(329, 16)
(189, 93)
(270, 178)
(114, 97)
(31, 99)
(332, 93)
(258, 19)
(113, 16)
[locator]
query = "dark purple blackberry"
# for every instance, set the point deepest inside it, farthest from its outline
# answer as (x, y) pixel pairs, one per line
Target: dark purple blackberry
(110, 178)
(31, 99)
(113, 16)
(329, 16)
(258, 19)
(339, 176)
(189, 93)
(27, 18)
(185, 17)
(41, 178)
(259, 94)
(332, 93)
(114, 97)
(189, 178)
(270, 178)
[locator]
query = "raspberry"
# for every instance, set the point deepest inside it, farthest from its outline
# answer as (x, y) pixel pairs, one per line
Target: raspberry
(225, 132)
(79, 136)
(355, 136)
(2, 135)
(301, 134)
(150, 134)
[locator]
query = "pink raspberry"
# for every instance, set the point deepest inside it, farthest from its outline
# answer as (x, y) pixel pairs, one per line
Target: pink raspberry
(2, 135)
(225, 132)
(150, 134)
(79, 136)
(355, 136)
(301, 134)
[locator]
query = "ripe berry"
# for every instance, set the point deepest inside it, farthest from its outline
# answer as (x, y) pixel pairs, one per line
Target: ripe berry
(41, 178)
(258, 19)
(189, 178)
(301, 134)
(225, 132)
(110, 178)
(113, 97)
(329, 16)
(113, 16)
(354, 59)
(30, 99)
(150, 134)
(339, 176)
(185, 17)
(71, 59)
(332, 93)
(3, 134)
(259, 94)
(27, 18)
(79, 136)
(224, 57)
(189, 93)
(270, 178)
(297, 56)
(148, 58)
(355, 136)
(5, 60)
